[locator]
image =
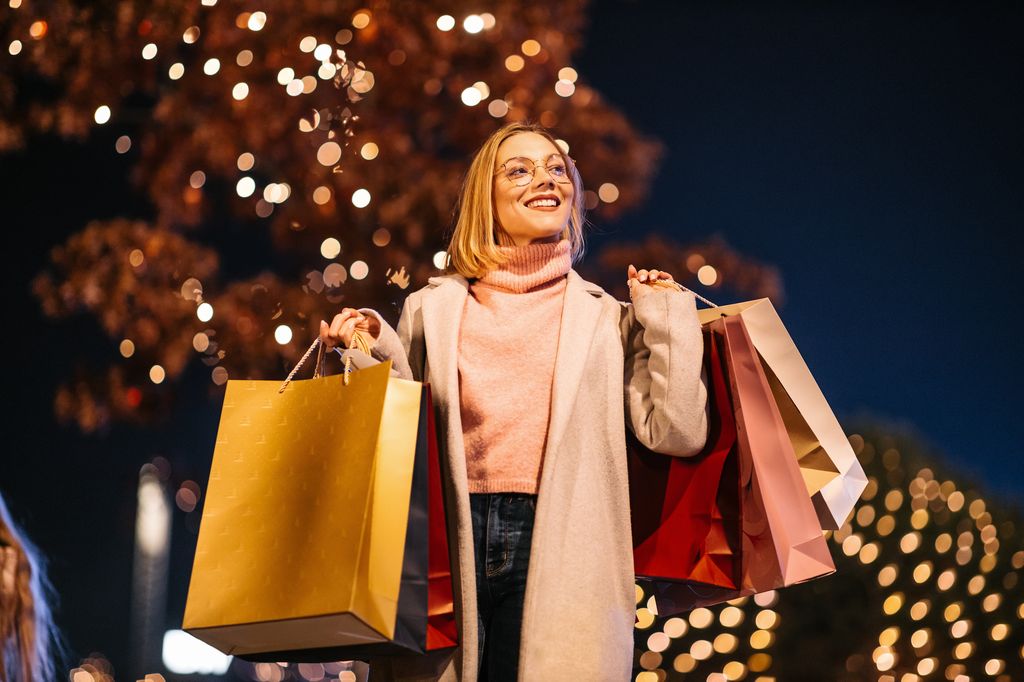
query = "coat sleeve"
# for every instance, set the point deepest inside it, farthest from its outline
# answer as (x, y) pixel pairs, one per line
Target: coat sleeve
(404, 346)
(665, 385)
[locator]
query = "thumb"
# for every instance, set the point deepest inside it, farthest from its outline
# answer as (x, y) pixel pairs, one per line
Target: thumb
(631, 271)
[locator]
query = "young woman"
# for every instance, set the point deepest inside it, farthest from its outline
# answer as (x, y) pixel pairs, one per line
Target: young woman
(26, 630)
(536, 374)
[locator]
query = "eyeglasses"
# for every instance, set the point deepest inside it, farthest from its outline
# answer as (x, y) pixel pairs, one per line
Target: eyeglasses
(521, 171)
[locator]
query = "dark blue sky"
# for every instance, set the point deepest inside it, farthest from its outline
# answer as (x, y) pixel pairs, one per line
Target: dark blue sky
(875, 155)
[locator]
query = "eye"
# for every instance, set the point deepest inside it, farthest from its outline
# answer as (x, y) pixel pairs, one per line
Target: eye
(558, 170)
(516, 171)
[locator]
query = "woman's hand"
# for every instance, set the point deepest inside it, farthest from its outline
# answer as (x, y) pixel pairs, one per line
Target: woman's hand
(637, 277)
(349, 320)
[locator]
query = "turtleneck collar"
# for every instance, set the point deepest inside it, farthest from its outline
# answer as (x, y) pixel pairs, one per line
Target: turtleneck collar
(530, 266)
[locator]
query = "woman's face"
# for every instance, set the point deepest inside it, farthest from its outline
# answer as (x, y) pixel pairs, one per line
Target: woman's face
(531, 209)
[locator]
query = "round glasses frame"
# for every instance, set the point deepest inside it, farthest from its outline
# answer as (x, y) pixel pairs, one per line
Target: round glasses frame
(530, 166)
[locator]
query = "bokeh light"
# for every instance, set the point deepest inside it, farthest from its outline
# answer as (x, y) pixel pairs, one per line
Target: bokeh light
(361, 198)
(283, 334)
(359, 269)
(330, 248)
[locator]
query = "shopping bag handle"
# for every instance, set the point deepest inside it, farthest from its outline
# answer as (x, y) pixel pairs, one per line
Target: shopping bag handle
(677, 285)
(358, 342)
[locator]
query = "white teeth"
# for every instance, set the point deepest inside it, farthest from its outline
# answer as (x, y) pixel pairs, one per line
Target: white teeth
(542, 202)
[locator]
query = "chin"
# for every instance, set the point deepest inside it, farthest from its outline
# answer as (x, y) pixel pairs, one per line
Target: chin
(551, 226)
(547, 234)
(548, 228)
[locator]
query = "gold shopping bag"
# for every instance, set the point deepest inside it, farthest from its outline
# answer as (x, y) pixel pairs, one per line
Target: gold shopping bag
(831, 472)
(304, 525)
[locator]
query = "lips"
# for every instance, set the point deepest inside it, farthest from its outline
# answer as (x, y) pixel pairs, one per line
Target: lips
(544, 201)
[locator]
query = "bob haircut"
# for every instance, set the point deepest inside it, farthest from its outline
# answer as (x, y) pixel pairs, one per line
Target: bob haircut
(473, 248)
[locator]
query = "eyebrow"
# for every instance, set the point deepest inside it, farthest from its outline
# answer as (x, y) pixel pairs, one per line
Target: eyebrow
(527, 158)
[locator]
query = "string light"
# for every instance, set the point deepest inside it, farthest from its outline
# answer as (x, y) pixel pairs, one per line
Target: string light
(330, 248)
(257, 20)
(283, 334)
(914, 639)
(204, 312)
(361, 198)
(245, 186)
(471, 96)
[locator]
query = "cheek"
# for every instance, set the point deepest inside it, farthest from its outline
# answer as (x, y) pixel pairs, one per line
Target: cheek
(566, 207)
(505, 206)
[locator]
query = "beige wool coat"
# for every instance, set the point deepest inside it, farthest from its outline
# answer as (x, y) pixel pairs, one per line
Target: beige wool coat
(616, 364)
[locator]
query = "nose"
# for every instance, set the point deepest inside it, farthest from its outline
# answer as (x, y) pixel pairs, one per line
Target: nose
(547, 180)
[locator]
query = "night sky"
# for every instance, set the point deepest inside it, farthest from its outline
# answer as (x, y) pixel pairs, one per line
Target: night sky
(876, 157)
(873, 154)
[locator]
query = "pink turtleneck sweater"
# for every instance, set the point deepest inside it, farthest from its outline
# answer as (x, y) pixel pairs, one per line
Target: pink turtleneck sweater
(507, 346)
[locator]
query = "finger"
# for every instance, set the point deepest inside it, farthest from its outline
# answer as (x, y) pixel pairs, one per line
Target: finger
(325, 335)
(653, 275)
(636, 289)
(667, 276)
(347, 330)
(339, 320)
(631, 272)
(642, 276)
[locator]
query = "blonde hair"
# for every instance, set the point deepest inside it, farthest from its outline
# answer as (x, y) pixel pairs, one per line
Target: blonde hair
(28, 638)
(473, 248)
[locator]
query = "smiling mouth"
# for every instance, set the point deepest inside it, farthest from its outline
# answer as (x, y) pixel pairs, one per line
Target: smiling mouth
(543, 203)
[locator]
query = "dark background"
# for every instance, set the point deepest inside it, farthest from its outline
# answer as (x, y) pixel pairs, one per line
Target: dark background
(872, 152)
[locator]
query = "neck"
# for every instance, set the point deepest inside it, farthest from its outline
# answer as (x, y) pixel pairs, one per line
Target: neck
(518, 240)
(530, 266)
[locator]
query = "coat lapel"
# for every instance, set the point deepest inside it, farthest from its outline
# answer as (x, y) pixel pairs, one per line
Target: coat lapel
(580, 313)
(442, 318)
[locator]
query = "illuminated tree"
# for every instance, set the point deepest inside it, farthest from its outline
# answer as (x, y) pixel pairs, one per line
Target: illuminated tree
(337, 130)
(340, 129)
(926, 587)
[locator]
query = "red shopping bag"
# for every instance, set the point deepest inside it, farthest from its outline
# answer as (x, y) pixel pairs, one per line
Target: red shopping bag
(685, 515)
(768, 525)
(441, 629)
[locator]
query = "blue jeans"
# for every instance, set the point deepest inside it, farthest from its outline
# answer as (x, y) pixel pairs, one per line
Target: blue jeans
(502, 530)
